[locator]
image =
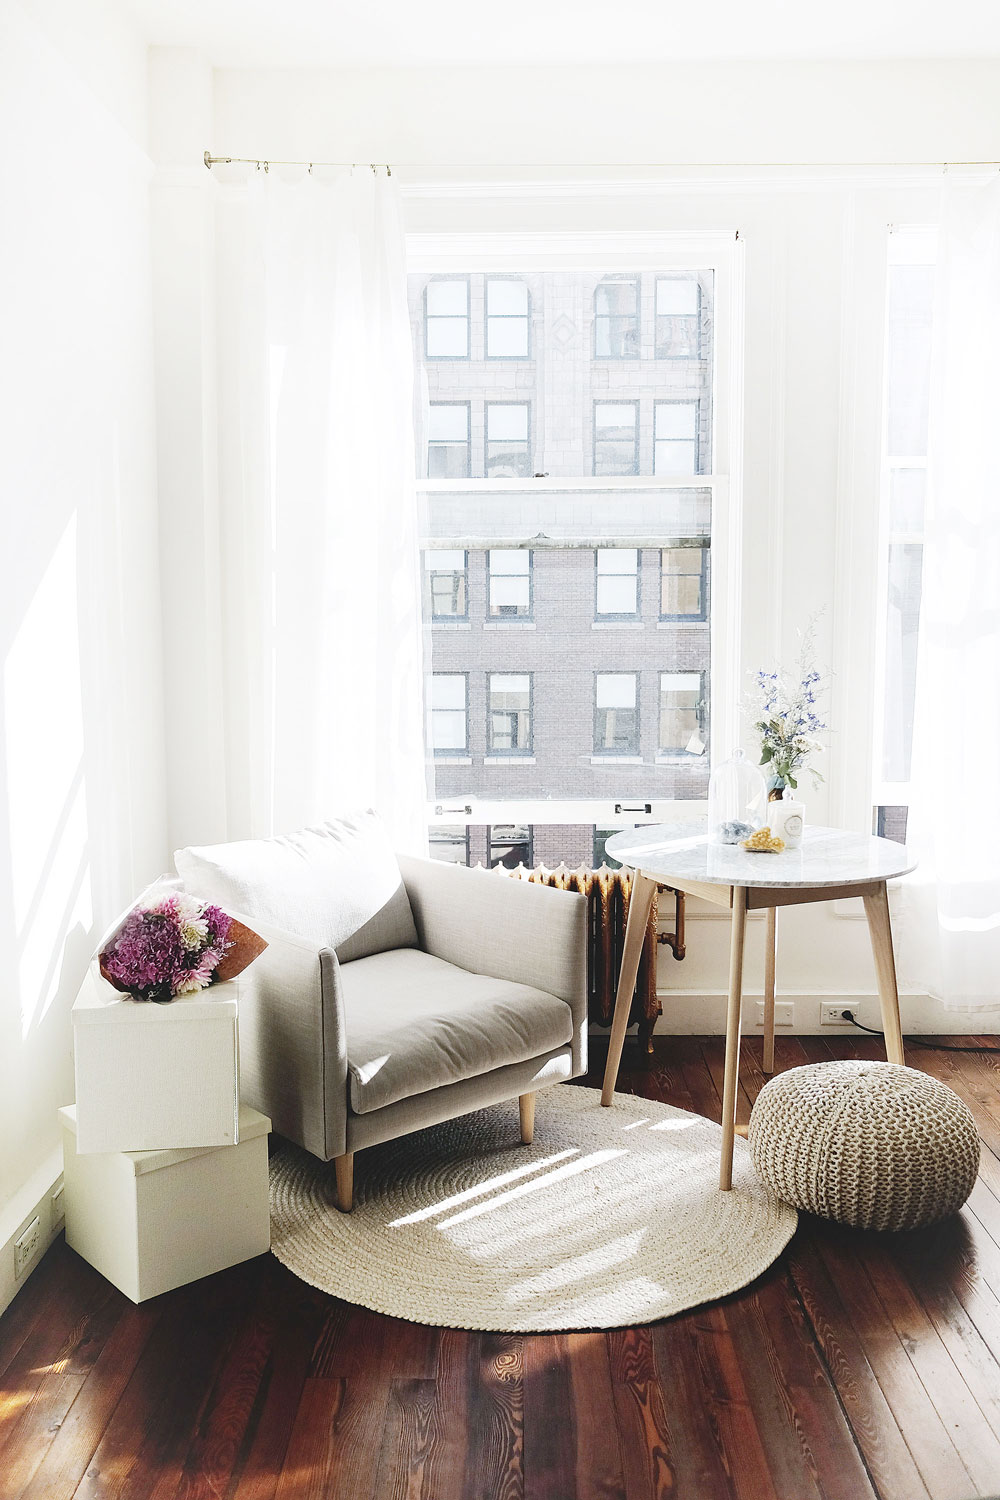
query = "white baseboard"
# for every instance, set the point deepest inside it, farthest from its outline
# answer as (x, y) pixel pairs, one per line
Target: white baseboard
(34, 1198)
(703, 1013)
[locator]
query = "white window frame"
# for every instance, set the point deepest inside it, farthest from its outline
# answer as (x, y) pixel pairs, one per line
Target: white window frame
(722, 252)
(907, 246)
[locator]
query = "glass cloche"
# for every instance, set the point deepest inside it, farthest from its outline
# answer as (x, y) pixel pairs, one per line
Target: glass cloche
(737, 801)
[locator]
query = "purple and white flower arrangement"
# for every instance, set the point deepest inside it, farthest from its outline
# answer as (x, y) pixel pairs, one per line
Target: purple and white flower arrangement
(786, 716)
(172, 947)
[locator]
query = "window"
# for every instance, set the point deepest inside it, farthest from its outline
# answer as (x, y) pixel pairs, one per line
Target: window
(447, 713)
(618, 582)
(616, 318)
(446, 319)
(680, 707)
(556, 523)
(684, 582)
(507, 318)
(449, 843)
(616, 713)
(910, 292)
(445, 576)
(675, 437)
(510, 584)
(509, 844)
(508, 450)
(509, 714)
(449, 450)
(616, 438)
(678, 317)
(601, 855)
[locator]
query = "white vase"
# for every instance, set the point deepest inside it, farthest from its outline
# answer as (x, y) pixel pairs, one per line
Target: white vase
(787, 818)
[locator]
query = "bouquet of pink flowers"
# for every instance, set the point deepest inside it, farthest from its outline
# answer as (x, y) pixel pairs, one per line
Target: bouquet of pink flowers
(175, 946)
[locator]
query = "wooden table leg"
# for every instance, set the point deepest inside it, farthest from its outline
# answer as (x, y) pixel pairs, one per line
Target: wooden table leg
(877, 912)
(635, 932)
(770, 958)
(733, 1035)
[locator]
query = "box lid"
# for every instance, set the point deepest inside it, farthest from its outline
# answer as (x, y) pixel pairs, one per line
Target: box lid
(99, 1001)
(252, 1124)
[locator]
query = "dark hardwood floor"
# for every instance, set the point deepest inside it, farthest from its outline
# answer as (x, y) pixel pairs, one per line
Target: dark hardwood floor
(858, 1366)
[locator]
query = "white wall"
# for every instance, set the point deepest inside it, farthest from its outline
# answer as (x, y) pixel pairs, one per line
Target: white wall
(81, 761)
(815, 247)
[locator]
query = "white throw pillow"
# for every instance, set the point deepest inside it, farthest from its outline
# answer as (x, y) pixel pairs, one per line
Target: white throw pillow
(337, 885)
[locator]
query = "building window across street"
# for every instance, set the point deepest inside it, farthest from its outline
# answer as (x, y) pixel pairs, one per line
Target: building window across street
(508, 318)
(675, 437)
(616, 437)
(509, 713)
(446, 584)
(683, 583)
(616, 713)
(509, 844)
(448, 447)
(616, 318)
(509, 583)
(446, 318)
(508, 444)
(617, 583)
(678, 317)
(680, 707)
(448, 713)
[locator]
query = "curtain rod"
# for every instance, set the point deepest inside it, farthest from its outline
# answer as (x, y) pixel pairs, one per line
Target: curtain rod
(632, 166)
(259, 161)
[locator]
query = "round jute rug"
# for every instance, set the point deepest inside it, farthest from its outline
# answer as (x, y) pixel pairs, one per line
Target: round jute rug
(612, 1217)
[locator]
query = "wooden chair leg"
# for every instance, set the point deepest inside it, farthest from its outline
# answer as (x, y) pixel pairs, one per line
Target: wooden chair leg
(770, 959)
(526, 1104)
(733, 1035)
(344, 1166)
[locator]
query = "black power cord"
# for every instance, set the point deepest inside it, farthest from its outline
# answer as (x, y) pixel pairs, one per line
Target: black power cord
(913, 1041)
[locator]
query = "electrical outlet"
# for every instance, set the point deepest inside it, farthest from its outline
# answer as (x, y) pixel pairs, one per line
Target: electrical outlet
(784, 1013)
(58, 1207)
(833, 1015)
(26, 1245)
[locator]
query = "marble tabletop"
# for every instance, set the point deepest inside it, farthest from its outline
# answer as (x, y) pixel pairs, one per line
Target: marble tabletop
(826, 856)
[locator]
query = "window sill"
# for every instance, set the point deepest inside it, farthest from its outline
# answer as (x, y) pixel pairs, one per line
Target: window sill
(616, 760)
(451, 625)
(684, 624)
(680, 759)
(453, 760)
(508, 760)
(508, 624)
(617, 624)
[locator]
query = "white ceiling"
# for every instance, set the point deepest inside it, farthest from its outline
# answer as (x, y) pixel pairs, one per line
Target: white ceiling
(372, 33)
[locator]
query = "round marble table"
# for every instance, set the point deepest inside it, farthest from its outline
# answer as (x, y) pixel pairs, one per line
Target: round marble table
(828, 866)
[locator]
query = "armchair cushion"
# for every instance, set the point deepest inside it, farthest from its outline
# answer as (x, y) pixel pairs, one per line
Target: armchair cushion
(415, 1023)
(337, 885)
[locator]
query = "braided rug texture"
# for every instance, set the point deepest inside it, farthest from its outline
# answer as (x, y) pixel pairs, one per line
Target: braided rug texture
(613, 1217)
(869, 1144)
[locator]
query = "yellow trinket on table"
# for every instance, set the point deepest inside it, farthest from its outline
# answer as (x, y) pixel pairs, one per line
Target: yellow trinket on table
(763, 842)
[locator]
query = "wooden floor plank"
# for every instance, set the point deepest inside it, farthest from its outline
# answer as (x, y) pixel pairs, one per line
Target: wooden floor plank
(641, 1418)
(495, 1458)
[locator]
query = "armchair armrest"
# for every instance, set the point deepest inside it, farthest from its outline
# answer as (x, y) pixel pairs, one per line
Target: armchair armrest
(509, 929)
(293, 1050)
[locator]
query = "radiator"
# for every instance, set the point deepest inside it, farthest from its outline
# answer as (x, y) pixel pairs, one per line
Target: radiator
(608, 893)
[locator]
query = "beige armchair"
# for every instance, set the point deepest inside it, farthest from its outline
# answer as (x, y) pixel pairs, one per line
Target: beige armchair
(487, 1004)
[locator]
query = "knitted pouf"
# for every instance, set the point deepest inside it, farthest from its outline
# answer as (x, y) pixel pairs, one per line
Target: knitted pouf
(870, 1144)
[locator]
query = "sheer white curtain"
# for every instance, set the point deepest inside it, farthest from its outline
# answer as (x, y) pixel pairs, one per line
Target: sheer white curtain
(956, 768)
(318, 511)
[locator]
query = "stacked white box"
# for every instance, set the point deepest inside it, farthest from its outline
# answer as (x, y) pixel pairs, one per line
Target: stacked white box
(153, 1077)
(153, 1220)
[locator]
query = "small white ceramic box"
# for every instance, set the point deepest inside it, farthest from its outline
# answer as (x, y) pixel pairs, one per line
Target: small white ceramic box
(151, 1077)
(153, 1220)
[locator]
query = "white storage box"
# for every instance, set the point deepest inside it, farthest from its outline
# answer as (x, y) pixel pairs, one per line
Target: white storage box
(153, 1220)
(151, 1077)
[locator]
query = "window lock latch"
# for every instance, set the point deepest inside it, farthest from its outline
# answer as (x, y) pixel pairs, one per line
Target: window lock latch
(440, 809)
(627, 807)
